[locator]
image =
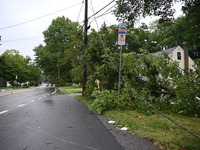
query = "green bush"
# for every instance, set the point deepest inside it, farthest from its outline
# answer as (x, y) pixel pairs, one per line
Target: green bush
(104, 100)
(126, 100)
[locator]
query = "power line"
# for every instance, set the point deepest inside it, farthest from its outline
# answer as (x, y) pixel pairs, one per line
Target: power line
(106, 12)
(101, 9)
(103, 14)
(80, 10)
(38, 17)
(193, 134)
(101, 39)
(100, 16)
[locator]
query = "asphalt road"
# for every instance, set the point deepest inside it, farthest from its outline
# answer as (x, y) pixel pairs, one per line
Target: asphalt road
(43, 119)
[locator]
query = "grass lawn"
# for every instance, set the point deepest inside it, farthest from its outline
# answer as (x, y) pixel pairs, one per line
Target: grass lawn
(71, 89)
(156, 128)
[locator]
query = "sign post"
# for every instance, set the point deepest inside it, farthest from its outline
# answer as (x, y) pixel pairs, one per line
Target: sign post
(121, 41)
(16, 79)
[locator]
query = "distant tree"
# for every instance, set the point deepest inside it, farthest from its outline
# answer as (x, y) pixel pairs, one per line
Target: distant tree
(43, 60)
(177, 33)
(16, 65)
(2, 66)
(55, 58)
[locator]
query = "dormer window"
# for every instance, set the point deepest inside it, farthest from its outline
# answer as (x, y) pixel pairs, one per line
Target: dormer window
(178, 55)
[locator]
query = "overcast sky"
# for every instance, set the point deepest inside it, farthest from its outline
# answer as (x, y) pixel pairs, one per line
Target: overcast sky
(26, 36)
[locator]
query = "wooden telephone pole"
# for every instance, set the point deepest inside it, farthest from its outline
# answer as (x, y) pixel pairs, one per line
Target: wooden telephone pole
(85, 45)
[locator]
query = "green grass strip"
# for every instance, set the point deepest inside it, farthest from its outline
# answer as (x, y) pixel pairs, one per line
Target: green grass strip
(71, 89)
(156, 128)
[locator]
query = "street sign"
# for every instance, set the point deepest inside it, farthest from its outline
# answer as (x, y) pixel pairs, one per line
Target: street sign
(122, 34)
(121, 41)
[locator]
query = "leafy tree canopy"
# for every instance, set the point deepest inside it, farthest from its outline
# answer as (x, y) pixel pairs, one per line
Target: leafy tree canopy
(130, 10)
(55, 58)
(15, 64)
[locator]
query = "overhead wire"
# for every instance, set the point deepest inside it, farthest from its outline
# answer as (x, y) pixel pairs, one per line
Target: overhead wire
(92, 16)
(193, 134)
(101, 9)
(104, 13)
(80, 10)
(39, 17)
(100, 36)
(101, 39)
(101, 17)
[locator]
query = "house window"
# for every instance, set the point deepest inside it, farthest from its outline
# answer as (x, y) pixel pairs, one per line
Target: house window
(178, 55)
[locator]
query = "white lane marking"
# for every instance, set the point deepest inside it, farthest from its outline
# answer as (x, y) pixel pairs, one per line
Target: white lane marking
(40, 98)
(21, 105)
(2, 112)
(54, 91)
(32, 101)
(44, 96)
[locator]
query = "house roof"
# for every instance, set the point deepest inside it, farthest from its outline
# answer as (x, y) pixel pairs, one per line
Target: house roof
(167, 51)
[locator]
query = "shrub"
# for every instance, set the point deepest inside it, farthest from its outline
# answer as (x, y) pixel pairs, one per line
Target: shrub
(104, 100)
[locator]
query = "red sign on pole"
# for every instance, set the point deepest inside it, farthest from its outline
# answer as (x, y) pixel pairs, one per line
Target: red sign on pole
(122, 34)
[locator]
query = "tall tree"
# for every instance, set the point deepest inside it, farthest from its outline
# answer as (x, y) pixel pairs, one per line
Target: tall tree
(58, 39)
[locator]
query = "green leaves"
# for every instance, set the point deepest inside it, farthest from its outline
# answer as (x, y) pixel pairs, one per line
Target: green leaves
(160, 81)
(20, 66)
(57, 56)
(168, 32)
(130, 10)
(104, 100)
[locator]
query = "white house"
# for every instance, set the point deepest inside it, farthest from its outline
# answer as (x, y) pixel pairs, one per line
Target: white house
(181, 56)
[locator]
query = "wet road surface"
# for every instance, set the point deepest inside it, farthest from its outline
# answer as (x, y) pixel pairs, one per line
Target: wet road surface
(43, 119)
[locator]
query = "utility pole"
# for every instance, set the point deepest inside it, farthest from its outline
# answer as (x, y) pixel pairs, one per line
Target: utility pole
(85, 46)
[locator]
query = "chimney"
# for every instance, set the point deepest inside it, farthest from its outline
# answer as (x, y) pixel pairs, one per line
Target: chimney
(186, 59)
